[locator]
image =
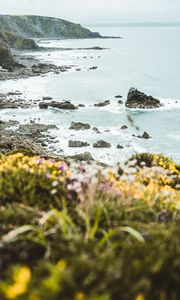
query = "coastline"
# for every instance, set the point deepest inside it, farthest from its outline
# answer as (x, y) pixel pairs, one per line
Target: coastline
(84, 61)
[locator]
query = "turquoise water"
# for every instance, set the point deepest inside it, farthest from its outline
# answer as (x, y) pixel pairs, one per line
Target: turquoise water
(146, 58)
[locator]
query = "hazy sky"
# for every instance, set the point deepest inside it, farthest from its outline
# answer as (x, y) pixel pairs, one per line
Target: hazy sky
(85, 11)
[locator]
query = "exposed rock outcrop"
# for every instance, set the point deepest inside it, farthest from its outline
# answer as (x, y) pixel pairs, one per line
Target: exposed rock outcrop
(120, 146)
(44, 27)
(101, 104)
(33, 129)
(137, 99)
(15, 143)
(145, 136)
(60, 105)
(101, 144)
(79, 126)
(124, 127)
(78, 144)
(16, 41)
(86, 156)
(6, 59)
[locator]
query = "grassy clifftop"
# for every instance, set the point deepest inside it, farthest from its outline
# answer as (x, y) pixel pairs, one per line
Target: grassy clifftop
(44, 27)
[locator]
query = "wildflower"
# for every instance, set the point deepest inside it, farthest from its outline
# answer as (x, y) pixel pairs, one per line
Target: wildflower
(80, 296)
(61, 167)
(22, 278)
(140, 297)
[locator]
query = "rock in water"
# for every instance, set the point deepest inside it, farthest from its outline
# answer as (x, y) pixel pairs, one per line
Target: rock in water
(120, 146)
(60, 105)
(86, 156)
(79, 126)
(123, 127)
(137, 99)
(78, 144)
(101, 104)
(145, 136)
(101, 144)
(6, 59)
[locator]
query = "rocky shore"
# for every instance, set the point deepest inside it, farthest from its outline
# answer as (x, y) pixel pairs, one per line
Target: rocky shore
(36, 137)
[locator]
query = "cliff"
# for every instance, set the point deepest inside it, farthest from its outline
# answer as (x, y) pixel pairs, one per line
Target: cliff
(44, 27)
(6, 59)
(16, 41)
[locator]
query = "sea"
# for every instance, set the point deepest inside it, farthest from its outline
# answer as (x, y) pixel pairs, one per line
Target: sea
(146, 58)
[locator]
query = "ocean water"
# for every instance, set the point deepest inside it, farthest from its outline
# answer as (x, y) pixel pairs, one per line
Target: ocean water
(146, 58)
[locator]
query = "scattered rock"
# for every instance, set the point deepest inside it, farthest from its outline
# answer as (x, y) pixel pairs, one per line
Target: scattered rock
(93, 68)
(16, 143)
(120, 147)
(137, 99)
(78, 144)
(96, 130)
(120, 102)
(47, 98)
(33, 129)
(118, 97)
(145, 136)
(7, 124)
(86, 156)
(43, 105)
(81, 105)
(79, 126)
(123, 127)
(16, 93)
(14, 104)
(60, 105)
(101, 144)
(101, 104)
(63, 105)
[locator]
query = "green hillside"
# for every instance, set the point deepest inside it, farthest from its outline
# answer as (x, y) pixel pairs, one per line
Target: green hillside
(44, 27)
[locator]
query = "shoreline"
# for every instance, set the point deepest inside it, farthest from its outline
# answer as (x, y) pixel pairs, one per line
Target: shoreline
(47, 138)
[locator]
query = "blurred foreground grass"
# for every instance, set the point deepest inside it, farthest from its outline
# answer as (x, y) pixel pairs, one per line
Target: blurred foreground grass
(82, 232)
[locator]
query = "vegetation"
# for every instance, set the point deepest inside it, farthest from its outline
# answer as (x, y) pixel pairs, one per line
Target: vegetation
(81, 232)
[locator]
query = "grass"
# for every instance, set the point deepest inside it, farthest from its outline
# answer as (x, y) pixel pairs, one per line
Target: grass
(81, 232)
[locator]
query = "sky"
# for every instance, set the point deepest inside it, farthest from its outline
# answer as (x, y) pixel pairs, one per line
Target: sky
(97, 11)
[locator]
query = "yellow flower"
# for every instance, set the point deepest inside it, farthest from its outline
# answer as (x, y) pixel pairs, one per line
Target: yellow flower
(80, 296)
(140, 297)
(22, 278)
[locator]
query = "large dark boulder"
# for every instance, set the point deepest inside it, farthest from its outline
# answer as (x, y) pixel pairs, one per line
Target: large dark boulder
(6, 59)
(137, 99)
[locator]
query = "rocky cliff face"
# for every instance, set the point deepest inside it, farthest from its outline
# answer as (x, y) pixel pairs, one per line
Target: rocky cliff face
(6, 59)
(44, 27)
(15, 41)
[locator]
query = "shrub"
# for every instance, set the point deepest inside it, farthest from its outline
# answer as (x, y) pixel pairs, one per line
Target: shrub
(34, 181)
(86, 233)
